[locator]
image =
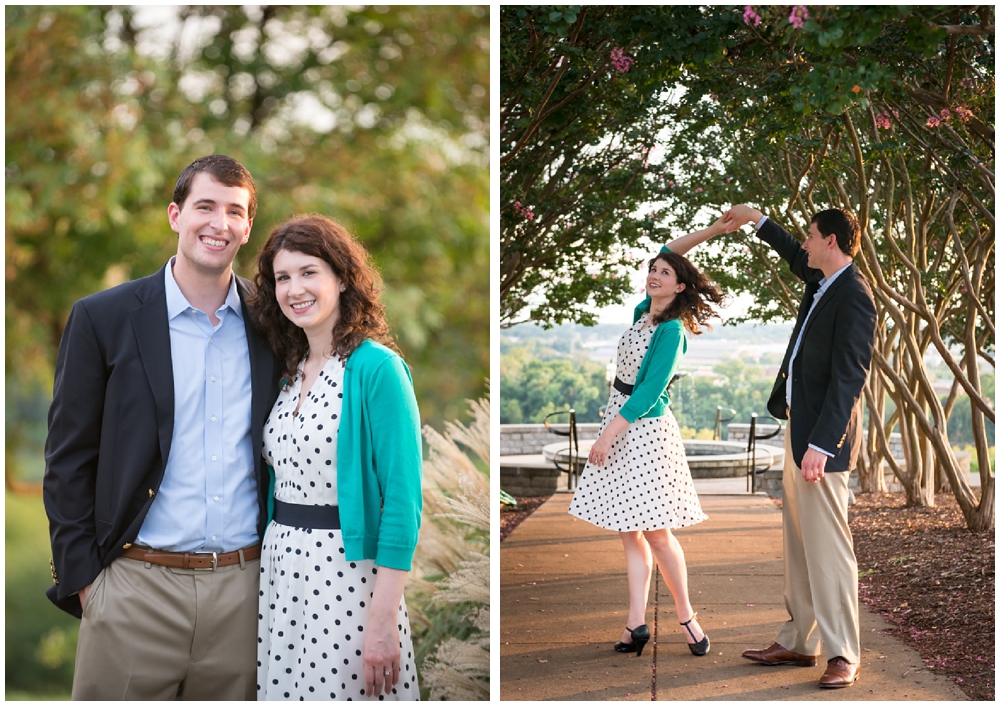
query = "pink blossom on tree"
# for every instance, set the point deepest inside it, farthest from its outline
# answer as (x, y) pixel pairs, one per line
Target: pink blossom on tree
(945, 113)
(933, 121)
(799, 16)
(963, 113)
(749, 16)
(621, 61)
(524, 211)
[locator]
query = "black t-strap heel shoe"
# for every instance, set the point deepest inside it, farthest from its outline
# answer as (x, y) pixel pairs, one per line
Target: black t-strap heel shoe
(640, 636)
(698, 649)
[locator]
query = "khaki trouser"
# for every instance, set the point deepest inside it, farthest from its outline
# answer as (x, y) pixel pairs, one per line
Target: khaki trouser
(821, 572)
(153, 633)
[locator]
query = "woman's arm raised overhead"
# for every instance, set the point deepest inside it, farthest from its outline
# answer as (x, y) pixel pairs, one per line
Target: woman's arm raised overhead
(686, 243)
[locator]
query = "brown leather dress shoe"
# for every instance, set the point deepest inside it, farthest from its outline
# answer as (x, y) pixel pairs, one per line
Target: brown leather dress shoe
(776, 654)
(839, 673)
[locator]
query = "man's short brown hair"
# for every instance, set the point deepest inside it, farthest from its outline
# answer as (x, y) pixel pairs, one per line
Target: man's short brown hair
(225, 170)
(844, 225)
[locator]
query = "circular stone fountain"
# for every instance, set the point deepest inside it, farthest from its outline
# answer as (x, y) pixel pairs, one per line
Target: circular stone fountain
(706, 459)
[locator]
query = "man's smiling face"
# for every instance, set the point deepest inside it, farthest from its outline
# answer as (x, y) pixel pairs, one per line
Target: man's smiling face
(211, 224)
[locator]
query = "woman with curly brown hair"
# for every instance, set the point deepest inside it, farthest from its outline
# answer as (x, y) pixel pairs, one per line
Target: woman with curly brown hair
(343, 439)
(637, 480)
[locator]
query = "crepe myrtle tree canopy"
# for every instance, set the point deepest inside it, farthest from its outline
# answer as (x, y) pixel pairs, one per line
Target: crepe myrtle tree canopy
(584, 93)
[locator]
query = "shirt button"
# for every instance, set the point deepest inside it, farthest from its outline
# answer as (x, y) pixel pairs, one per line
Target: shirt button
(213, 458)
(216, 498)
(210, 340)
(213, 378)
(213, 419)
(213, 537)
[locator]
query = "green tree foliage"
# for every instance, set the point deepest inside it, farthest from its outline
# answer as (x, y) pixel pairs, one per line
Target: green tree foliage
(532, 388)
(740, 386)
(376, 117)
(582, 103)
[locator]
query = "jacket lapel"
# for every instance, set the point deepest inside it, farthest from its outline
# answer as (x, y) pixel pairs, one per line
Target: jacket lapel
(152, 333)
(829, 295)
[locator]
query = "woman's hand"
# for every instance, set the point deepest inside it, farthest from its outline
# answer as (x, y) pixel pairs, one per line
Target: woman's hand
(381, 655)
(381, 652)
(724, 224)
(599, 451)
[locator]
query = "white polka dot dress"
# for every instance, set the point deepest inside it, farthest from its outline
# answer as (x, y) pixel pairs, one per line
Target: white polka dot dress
(645, 483)
(314, 605)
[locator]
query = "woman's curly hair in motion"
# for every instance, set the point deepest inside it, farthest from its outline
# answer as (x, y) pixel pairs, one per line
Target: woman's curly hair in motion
(692, 305)
(362, 314)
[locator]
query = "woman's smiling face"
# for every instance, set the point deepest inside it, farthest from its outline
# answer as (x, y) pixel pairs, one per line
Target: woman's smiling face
(661, 281)
(308, 291)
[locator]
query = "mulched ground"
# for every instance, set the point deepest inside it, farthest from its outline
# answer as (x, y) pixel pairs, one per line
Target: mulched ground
(511, 517)
(934, 580)
(921, 569)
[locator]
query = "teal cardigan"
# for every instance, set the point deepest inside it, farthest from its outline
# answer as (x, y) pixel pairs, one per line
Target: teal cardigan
(666, 349)
(379, 459)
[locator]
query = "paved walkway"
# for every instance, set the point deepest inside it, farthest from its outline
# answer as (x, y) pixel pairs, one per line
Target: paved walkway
(563, 602)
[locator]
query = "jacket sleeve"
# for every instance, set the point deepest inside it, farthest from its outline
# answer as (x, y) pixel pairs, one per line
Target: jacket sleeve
(398, 462)
(71, 455)
(854, 337)
(661, 361)
(790, 251)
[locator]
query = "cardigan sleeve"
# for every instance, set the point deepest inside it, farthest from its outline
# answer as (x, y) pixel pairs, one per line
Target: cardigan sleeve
(397, 461)
(660, 362)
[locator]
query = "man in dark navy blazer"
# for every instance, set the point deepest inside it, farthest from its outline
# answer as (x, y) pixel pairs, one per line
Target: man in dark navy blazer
(819, 391)
(154, 485)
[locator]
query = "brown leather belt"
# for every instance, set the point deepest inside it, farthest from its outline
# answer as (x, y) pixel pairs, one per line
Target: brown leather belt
(202, 561)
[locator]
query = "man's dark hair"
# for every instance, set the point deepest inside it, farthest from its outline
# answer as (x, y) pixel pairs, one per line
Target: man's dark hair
(225, 170)
(844, 225)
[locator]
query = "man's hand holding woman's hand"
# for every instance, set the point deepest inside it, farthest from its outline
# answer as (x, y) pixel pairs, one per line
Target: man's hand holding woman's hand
(740, 215)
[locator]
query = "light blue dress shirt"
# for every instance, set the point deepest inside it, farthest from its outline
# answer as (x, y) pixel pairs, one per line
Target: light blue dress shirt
(824, 284)
(208, 498)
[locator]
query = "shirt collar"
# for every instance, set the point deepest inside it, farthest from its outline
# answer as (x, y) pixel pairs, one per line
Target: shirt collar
(825, 283)
(177, 303)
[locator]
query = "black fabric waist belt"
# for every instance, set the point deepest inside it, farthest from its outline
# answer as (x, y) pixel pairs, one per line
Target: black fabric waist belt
(623, 387)
(308, 516)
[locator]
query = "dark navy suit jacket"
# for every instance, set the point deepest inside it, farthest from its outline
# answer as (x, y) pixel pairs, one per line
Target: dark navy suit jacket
(111, 422)
(831, 366)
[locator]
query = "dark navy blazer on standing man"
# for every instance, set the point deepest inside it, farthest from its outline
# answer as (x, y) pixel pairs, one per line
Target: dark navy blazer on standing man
(832, 363)
(111, 423)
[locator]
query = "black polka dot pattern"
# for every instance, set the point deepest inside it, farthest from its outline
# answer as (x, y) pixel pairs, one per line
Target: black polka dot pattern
(314, 605)
(645, 483)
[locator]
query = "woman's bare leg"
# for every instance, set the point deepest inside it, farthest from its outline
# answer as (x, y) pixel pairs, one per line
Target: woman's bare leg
(639, 566)
(670, 558)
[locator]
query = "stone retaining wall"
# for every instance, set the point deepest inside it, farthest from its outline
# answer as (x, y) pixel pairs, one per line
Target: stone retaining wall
(517, 439)
(529, 480)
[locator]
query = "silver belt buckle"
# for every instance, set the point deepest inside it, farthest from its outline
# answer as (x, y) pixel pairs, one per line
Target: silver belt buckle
(215, 561)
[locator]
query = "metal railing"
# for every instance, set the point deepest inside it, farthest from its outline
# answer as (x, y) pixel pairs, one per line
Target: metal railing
(575, 462)
(752, 470)
(719, 421)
